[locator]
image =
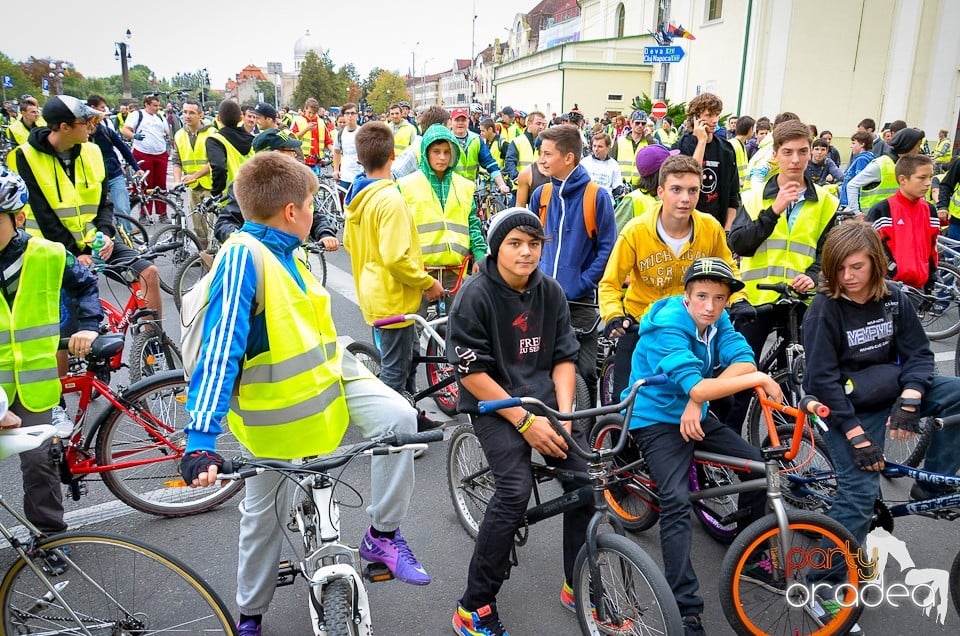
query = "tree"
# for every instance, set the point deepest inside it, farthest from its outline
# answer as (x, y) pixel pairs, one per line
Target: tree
(354, 93)
(268, 89)
(372, 77)
(676, 112)
(320, 81)
(388, 89)
(22, 84)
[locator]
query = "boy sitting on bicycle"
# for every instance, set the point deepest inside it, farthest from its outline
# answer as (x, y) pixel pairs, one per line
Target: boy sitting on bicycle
(685, 337)
(39, 270)
(296, 389)
(509, 334)
(381, 237)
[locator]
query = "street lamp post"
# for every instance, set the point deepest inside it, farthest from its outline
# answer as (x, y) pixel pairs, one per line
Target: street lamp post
(413, 72)
(56, 75)
(121, 51)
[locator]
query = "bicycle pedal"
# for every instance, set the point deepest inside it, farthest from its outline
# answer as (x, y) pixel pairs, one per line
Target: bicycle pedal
(734, 517)
(287, 573)
(377, 573)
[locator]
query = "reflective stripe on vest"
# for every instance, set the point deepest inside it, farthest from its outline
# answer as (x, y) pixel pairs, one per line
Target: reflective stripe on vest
(290, 401)
(787, 252)
(627, 158)
(193, 158)
(30, 331)
(469, 161)
(885, 189)
(444, 234)
(234, 158)
(75, 203)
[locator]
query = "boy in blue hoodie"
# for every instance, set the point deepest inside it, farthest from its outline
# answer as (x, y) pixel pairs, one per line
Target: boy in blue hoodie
(685, 337)
(576, 256)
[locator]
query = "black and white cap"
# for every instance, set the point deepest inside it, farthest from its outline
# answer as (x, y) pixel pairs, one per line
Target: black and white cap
(712, 268)
(64, 109)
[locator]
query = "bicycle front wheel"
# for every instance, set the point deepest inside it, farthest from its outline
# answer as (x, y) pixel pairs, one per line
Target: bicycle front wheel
(169, 262)
(131, 232)
(142, 445)
(447, 397)
(151, 353)
(469, 479)
(113, 585)
(189, 274)
(756, 423)
(317, 264)
(771, 584)
(939, 310)
(367, 355)
(632, 595)
(631, 493)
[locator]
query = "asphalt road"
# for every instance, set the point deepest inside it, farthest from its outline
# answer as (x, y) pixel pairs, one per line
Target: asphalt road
(529, 601)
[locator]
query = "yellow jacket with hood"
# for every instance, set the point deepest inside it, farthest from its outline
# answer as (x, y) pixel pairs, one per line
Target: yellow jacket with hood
(384, 248)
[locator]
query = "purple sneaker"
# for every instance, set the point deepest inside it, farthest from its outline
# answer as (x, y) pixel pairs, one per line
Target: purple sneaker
(396, 555)
(249, 627)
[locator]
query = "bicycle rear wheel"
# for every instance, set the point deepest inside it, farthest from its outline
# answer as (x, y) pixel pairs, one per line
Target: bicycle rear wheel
(632, 595)
(114, 585)
(756, 424)
(317, 264)
(939, 310)
(170, 262)
(186, 277)
(337, 602)
(131, 232)
(764, 587)
(367, 355)
(605, 394)
(447, 397)
(955, 582)
(711, 512)
(469, 479)
(632, 494)
(149, 435)
(151, 353)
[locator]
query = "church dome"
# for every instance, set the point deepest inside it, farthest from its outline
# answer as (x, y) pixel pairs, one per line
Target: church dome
(306, 43)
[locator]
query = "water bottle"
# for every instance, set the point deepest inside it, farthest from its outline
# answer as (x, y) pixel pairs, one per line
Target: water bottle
(97, 245)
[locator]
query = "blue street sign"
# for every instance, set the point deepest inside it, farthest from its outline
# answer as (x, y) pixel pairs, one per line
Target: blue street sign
(662, 54)
(45, 86)
(7, 81)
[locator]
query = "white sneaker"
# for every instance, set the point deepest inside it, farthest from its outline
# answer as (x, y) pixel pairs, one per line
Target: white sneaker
(61, 421)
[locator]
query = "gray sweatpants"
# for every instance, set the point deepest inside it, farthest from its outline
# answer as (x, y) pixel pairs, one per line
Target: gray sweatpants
(375, 409)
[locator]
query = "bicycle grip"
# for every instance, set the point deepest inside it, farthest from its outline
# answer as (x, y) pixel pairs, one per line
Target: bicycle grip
(489, 406)
(950, 420)
(660, 378)
(423, 437)
(811, 405)
(237, 467)
(392, 320)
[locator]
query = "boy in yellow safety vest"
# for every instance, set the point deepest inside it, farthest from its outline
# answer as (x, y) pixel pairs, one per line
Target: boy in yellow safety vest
(36, 271)
(296, 389)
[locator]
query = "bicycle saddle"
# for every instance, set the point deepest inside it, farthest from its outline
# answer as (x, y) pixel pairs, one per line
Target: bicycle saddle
(18, 440)
(107, 345)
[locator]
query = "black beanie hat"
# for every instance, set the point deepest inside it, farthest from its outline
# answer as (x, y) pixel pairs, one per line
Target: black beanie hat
(507, 220)
(904, 141)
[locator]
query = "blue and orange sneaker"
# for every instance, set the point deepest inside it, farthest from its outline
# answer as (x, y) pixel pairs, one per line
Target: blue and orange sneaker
(607, 627)
(396, 555)
(483, 622)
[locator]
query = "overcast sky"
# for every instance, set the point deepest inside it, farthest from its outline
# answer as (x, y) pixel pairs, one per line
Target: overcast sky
(175, 36)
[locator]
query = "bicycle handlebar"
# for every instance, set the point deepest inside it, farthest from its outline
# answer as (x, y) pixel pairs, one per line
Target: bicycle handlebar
(626, 405)
(786, 292)
(812, 406)
(393, 442)
(950, 420)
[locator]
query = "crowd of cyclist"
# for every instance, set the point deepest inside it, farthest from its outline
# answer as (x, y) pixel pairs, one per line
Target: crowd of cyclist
(628, 203)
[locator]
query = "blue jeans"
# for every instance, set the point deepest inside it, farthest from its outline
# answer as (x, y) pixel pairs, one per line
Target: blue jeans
(120, 197)
(858, 489)
(669, 458)
(396, 358)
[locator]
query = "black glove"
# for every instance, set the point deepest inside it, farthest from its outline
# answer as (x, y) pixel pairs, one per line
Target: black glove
(904, 420)
(742, 313)
(866, 456)
(620, 322)
(198, 462)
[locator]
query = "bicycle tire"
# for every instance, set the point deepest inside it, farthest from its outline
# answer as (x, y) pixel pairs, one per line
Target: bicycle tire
(118, 585)
(337, 602)
(710, 476)
(367, 355)
(940, 318)
(636, 596)
(813, 461)
(186, 277)
(780, 591)
(316, 262)
(955, 582)
(172, 260)
(448, 397)
(469, 479)
(159, 404)
(138, 238)
(912, 451)
(582, 399)
(631, 495)
(151, 353)
(605, 385)
(326, 201)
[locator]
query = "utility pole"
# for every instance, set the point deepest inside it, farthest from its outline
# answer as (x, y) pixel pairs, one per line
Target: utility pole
(473, 53)
(660, 89)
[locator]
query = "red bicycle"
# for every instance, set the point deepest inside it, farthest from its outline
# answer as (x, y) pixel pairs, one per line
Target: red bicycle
(137, 441)
(153, 350)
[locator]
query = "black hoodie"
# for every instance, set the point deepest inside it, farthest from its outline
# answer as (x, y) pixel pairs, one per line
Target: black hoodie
(50, 225)
(516, 337)
(217, 154)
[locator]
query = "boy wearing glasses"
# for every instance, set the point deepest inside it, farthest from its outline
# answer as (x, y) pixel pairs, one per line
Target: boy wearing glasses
(346, 165)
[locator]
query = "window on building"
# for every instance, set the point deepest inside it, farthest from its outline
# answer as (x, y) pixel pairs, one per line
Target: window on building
(620, 15)
(714, 10)
(614, 97)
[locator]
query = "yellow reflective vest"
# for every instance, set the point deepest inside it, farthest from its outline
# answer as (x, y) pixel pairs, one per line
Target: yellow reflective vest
(234, 158)
(954, 205)
(469, 162)
(290, 401)
(887, 187)
(19, 132)
(403, 136)
(194, 157)
(741, 153)
(942, 146)
(495, 151)
(787, 252)
(444, 231)
(508, 133)
(30, 330)
(627, 158)
(74, 202)
(526, 155)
